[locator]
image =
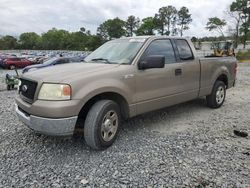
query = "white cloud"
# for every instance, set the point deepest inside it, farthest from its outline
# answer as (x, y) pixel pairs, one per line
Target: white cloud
(34, 15)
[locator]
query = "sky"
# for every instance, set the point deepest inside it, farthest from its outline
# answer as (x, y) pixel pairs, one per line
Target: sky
(18, 16)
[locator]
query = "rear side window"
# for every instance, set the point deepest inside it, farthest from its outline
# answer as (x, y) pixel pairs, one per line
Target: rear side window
(184, 49)
(162, 47)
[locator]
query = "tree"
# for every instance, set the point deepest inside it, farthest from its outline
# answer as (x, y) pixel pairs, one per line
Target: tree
(216, 24)
(166, 17)
(147, 27)
(82, 29)
(55, 39)
(77, 41)
(93, 42)
(8, 43)
(103, 32)
(132, 25)
(234, 27)
(242, 8)
(29, 41)
(112, 28)
(194, 39)
(184, 19)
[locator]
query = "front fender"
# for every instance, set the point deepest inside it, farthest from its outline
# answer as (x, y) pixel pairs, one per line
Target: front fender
(97, 87)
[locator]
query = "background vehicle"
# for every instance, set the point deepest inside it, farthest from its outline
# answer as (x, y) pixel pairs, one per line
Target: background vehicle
(121, 79)
(52, 62)
(12, 63)
(5, 56)
(223, 49)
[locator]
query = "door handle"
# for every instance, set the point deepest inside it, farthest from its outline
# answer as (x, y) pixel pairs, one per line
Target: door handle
(178, 72)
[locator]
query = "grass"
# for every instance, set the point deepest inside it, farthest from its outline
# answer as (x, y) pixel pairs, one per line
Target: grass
(243, 56)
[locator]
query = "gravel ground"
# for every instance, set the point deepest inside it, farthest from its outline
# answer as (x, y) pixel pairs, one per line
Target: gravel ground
(188, 145)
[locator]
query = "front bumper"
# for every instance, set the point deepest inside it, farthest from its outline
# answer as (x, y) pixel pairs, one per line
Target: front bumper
(48, 126)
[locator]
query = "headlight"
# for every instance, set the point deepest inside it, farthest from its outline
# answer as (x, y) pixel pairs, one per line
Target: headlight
(55, 92)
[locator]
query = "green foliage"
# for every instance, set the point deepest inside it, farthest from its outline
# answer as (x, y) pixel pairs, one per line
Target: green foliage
(243, 9)
(8, 42)
(166, 17)
(55, 39)
(217, 24)
(147, 27)
(112, 28)
(132, 25)
(93, 42)
(29, 41)
(241, 55)
(77, 41)
(184, 19)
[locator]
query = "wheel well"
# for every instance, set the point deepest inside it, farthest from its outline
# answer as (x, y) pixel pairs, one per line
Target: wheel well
(224, 79)
(120, 100)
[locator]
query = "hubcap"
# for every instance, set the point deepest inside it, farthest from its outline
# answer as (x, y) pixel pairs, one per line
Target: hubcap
(109, 126)
(220, 95)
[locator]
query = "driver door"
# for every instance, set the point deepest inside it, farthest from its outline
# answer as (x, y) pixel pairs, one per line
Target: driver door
(157, 87)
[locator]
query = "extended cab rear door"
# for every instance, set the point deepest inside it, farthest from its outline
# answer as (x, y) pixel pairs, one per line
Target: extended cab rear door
(189, 70)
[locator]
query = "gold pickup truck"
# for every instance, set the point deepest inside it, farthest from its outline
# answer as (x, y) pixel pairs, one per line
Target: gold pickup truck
(121, 79)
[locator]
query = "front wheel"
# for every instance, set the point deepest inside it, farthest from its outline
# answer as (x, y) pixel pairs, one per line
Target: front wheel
(102, 124)
(218, 95)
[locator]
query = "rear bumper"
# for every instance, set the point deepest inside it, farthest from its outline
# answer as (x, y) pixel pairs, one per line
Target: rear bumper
(48, 126)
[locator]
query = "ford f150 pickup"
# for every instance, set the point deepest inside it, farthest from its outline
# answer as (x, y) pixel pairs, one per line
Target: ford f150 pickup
(121, 79)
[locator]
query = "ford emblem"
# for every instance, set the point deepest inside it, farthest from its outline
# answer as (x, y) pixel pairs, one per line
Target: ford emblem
(24, 88)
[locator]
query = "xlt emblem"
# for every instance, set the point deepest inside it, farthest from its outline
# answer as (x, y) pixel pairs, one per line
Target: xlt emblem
(24, 88)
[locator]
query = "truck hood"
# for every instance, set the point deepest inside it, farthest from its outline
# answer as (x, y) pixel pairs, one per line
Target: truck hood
(57, 74)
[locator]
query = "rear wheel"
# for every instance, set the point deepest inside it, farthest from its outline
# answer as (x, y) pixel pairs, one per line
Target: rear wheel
(102, 124)
(218, 95)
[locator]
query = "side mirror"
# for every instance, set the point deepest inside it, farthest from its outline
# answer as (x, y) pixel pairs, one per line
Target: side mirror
(155, 61)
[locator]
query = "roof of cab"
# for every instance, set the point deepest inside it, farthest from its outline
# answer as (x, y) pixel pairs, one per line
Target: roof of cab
(154, 37)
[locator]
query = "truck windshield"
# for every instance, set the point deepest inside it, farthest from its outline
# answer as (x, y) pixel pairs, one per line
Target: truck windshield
(120, 51)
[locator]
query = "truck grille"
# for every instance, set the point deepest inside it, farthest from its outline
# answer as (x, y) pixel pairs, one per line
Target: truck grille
(27, 90)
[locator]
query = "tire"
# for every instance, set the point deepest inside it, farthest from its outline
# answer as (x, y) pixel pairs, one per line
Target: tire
(218, 95)
(8, 87)
(12, 67)
(102, 124)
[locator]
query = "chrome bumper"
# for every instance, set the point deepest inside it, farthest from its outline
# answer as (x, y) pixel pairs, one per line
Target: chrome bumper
(48, 126)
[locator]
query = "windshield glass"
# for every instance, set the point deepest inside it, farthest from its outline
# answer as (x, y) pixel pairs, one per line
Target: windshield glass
(120, 51)
(48, 62)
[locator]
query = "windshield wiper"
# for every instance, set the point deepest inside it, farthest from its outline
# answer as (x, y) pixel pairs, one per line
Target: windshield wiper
(101, 59)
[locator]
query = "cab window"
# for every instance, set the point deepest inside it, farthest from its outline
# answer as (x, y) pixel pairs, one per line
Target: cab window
(162, 47)
(184, 49)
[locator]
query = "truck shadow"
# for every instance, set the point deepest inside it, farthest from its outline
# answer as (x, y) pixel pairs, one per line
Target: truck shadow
(175, 117)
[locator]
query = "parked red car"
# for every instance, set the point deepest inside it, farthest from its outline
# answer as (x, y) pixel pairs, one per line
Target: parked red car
(12, 63)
